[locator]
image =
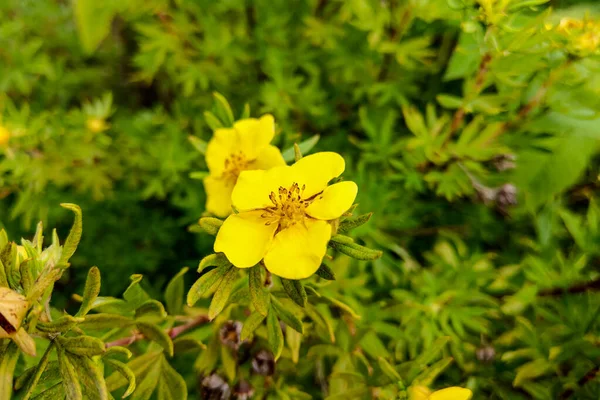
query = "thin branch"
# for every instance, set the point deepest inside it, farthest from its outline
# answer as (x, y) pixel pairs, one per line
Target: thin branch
(172, 332)
(579, 288)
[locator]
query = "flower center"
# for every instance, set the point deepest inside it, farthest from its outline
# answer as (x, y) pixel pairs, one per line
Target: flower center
(234, 165)
(288, 206)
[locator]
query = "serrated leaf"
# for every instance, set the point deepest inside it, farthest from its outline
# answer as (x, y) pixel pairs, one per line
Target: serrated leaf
(295, 291)
(154, 333)
(258, 293)
(90, 291)
(274, 334)
(206, 283)
(221, 297)
(251, 324)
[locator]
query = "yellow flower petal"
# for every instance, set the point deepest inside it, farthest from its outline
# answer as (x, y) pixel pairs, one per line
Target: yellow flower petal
(244, 238)
(225, 141)
(268, 157)
(418, 392)
(451, 393)
(218, 195)
(297, 252)
(254, 134)
(334, 201)
(253, 188)
(316, 170)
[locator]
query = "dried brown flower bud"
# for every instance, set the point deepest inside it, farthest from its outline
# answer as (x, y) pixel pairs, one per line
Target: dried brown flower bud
(243, 391)
(263, 363)
(485, 353)
(505, 162)
(229, 334)
(213, 387)
(506, 196)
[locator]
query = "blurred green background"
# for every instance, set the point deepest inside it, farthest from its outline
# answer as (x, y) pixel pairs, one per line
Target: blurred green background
(471, 128)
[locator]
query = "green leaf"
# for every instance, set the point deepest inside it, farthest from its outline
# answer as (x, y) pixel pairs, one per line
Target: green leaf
(428, 376)
(134, 294)
(293, 340)
(8, 361)
(251, 324)
(90, 376)
(105, 321)
(126, 372)
(210, 225)
(174, 293)
(206, 282)
(373, 346)
(213, 260)
(114, 350)
(287, 316)
(449, 101)
(389, 370)
(62, 324)
(212, 121)
(198, 144)
(82, 345)
(151, 310)
(74, 234)
(274, 334)
(305, 146)
(55, 392)
(295, 291)
(90, 291)
(171, 385)
(325, 272)
(355, 250)
(224, 109)
(183, 344)
(157, 335)
(350, 223)
(25, 342)
(221, 297)
(229, 363)
(258, 293)
(93, 22)
(532, 370)
(540, 176)
(140, 366)
(69, 376)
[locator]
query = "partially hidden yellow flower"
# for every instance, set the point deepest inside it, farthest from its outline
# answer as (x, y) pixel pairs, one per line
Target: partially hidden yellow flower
(13, 308)
(452, 393)
(4, 136)
(96, 125)
(285, 215)
(246, 146)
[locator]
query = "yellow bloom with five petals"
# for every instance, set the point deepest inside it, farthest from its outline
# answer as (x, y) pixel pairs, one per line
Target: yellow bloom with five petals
(246, 146)
(451, 393)
(285, 215)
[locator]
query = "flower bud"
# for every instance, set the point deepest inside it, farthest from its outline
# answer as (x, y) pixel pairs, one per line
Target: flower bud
(229, 334)
(243, 391)
(506, 196)
(213, 387)
(96, 125)
(263, 363)
(485, 353)
(505, 162)
(4, 136)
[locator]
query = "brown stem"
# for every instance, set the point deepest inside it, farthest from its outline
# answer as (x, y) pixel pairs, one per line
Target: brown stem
(585, 379)
(579, 288)
(459, 115)
(172, 332)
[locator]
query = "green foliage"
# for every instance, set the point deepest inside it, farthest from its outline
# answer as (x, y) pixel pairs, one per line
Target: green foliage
(470, 126)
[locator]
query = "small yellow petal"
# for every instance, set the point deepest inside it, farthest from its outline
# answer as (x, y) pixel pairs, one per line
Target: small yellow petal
(418, 392)
(253, 188)
(451, 393)
(268, 157)
(4, 136)
(244, 238)
(254, 134)
(218, 195)
(297, 252)
(334, 201)
(316, 170)
(224, 142)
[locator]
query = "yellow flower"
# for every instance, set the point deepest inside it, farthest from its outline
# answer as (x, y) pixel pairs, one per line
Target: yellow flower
(451, 393)
(246, 146)
(13, 308)
(4, 136)
(284, 215)
(96, 125)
